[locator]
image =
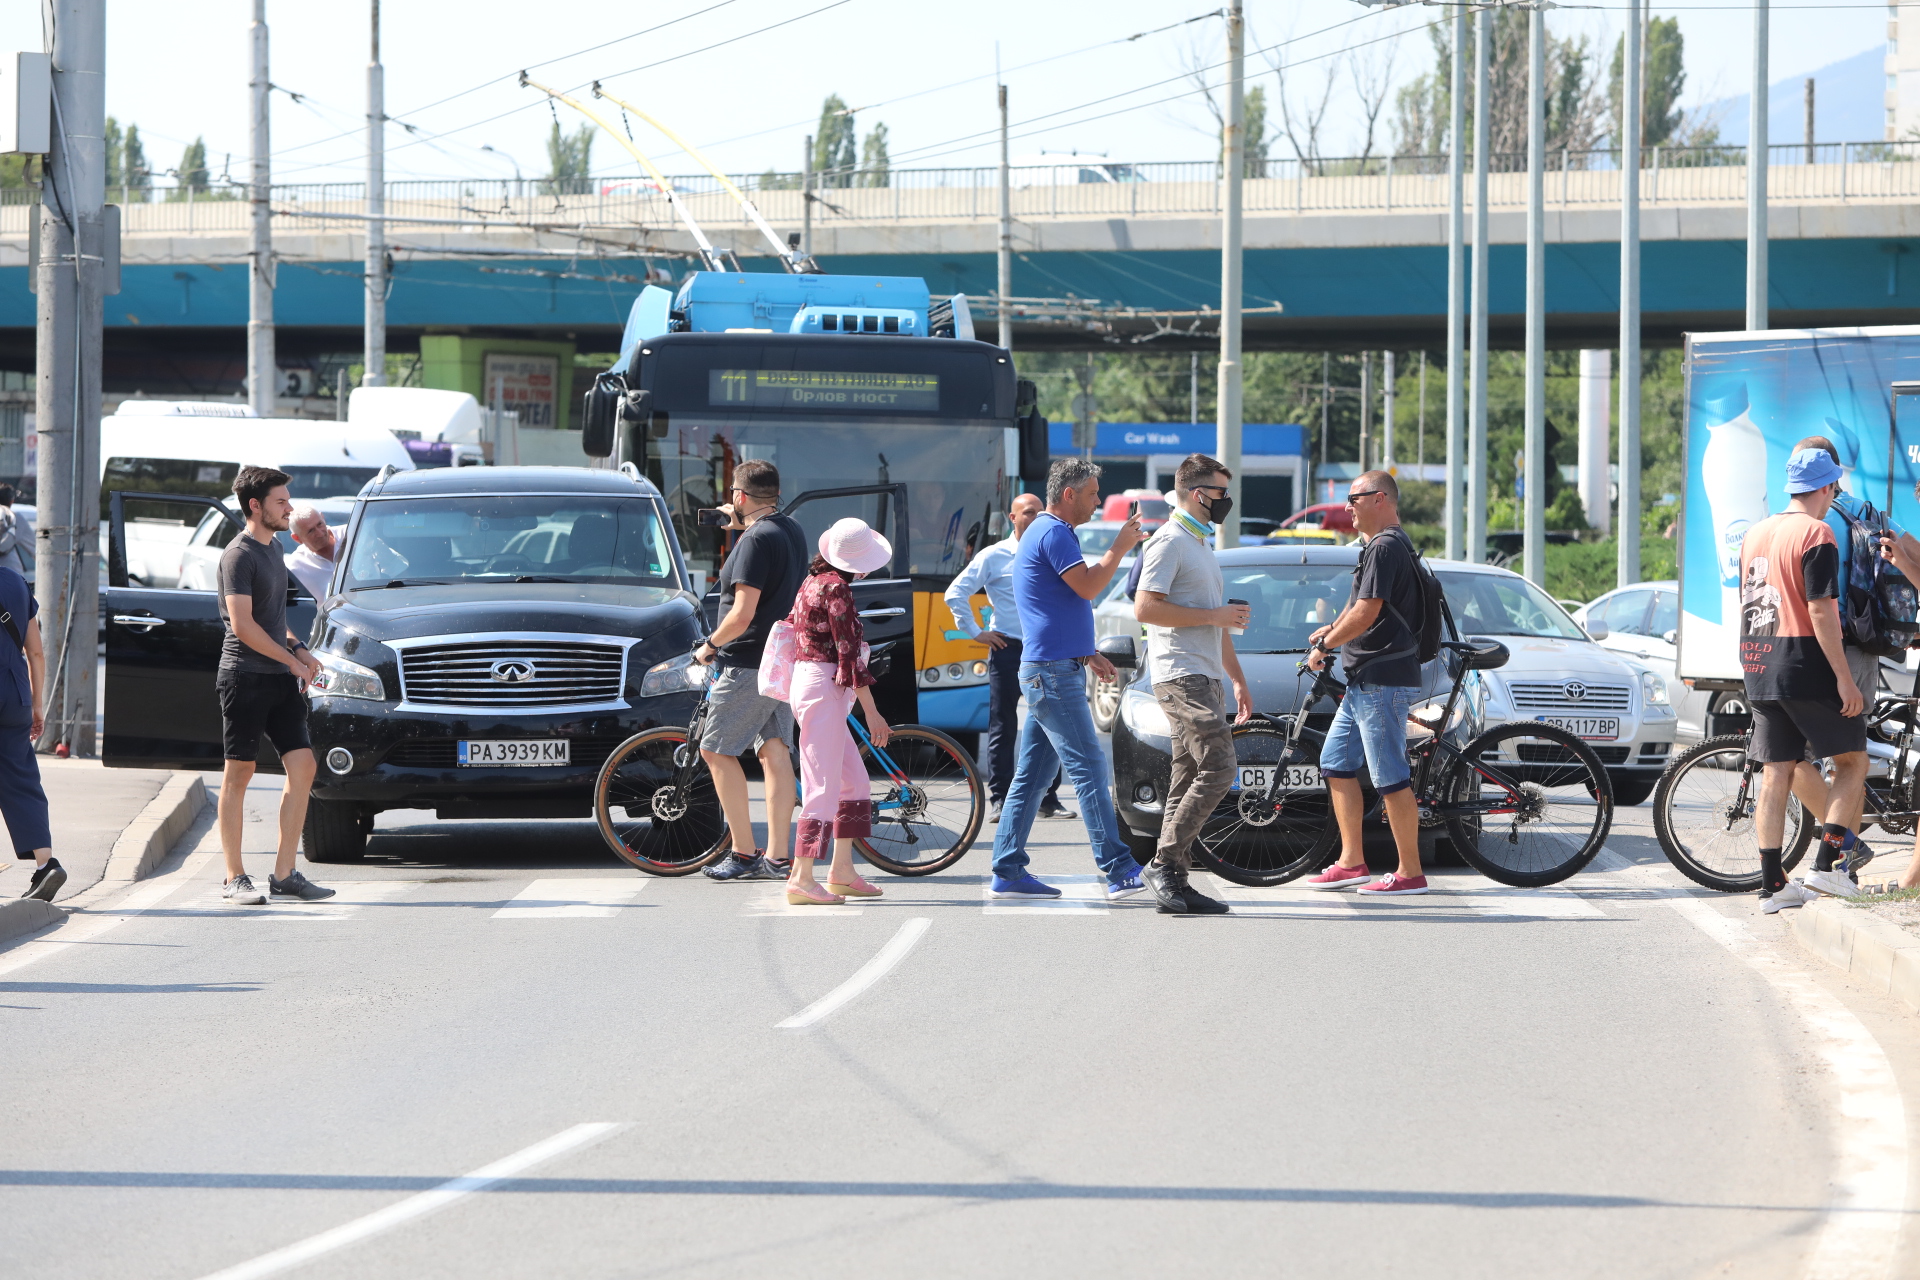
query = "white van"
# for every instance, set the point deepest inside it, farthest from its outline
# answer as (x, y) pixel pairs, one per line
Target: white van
(194, 448)
(1067, 169)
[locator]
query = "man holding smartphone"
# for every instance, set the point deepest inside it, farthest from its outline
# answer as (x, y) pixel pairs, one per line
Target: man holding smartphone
(757, 584)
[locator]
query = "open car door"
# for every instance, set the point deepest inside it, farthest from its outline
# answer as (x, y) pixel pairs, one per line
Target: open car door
(163, 651)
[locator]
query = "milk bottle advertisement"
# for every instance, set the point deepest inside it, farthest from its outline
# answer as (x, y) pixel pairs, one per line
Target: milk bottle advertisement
(1750, 398)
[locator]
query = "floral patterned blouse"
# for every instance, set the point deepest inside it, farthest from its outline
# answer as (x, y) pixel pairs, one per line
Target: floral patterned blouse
(825, 628)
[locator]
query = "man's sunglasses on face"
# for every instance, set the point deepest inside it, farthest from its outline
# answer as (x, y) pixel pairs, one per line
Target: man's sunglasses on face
(1364, 493)
(1219, 489)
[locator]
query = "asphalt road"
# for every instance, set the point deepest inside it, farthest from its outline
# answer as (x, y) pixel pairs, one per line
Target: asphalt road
(1623, 1077)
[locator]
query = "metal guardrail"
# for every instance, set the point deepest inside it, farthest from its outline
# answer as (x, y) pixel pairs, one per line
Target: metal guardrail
(1827, 172)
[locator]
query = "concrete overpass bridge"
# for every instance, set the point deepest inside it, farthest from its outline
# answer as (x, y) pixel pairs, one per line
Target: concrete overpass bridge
(1350, 254)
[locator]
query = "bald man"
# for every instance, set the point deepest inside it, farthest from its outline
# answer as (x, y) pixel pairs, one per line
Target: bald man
(991, 571)
(314, 543)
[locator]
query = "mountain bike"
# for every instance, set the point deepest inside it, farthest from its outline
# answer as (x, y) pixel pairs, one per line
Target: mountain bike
(657, 810)
(1704, 806)
(1525, 804)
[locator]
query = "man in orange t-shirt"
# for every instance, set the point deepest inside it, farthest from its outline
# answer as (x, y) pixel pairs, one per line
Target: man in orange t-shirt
(1805, 703)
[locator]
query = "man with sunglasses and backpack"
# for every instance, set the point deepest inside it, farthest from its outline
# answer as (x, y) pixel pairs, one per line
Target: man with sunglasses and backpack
(1379, 632)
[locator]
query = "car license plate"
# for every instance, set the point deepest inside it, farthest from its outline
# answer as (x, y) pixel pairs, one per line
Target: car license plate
(529, 751)
(1592, 728)
(1293, 777)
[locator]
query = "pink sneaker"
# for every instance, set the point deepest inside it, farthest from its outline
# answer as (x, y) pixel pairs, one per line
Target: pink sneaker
(1339, 877)
(1391, 885)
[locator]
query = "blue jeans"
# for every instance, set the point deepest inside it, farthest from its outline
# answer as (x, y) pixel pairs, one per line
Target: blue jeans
(1371, 728)
(1059, 729)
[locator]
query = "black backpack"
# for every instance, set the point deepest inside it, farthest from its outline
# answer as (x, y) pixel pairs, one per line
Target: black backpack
(1434, 613)
(1878, 614)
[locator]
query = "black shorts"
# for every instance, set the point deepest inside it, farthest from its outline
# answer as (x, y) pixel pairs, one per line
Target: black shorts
(255, 703)
(1803, 729)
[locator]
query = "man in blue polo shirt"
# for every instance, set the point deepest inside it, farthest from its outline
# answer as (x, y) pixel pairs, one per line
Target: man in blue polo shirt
(1054, 588)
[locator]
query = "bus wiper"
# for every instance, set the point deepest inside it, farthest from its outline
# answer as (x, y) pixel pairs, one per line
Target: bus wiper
(398, 582)
(538, 577)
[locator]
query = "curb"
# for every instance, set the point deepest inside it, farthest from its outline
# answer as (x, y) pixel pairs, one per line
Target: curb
(1882, 955)
(147, 840)
(141, 848)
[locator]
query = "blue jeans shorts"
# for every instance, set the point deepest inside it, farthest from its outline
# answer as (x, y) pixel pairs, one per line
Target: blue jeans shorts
(1371, 728)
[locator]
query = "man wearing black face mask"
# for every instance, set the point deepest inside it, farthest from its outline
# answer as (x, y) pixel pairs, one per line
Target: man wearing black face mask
(1189, 658)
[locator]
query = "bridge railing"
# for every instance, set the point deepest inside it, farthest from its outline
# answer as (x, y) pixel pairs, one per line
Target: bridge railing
(1074, 187)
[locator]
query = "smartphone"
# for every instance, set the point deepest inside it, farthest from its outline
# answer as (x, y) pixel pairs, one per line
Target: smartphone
(713, 518)
(1133, 510)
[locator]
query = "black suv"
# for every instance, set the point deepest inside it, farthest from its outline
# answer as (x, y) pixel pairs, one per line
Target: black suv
(489, 636)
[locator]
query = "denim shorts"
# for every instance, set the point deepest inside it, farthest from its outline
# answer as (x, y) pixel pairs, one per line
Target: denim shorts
(1371, 728)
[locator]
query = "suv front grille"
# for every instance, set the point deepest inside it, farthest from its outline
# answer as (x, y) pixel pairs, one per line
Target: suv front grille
(1545, 753)
(512, 673)
(1543, 696)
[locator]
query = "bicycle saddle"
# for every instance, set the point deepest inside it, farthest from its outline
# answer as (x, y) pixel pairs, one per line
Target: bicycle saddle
(1482, 655)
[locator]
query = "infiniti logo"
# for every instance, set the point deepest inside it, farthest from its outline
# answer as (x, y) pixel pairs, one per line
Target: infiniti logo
(513, 671)
(1573, 689)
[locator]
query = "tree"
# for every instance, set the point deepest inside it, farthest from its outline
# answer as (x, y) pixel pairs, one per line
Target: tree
(128, 178)
(569, 160)
(1254, 115)
(873, 157)
(1662, 122)
(834, 143)
(192, 172)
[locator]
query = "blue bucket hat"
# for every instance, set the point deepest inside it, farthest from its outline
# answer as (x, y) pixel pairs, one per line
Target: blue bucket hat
(1811, 469)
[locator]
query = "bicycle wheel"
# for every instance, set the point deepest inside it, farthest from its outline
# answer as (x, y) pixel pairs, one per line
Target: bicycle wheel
(926, 818)
(1256, 837)
(656, 806)
(1527, 804)
(1703, 815)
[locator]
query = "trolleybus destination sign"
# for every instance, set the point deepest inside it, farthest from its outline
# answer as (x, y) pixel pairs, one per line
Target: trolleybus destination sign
(809, 389)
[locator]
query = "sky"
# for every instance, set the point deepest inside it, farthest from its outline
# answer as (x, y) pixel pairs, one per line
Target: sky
(1110, 78)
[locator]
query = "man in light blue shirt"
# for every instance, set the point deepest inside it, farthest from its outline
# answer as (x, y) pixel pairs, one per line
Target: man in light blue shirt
(991, 571)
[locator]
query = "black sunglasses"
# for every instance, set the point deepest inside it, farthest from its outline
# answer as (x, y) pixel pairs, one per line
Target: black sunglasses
(1364, 493)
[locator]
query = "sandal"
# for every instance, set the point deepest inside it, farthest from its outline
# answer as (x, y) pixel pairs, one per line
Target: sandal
(811, 895)
(857, 888)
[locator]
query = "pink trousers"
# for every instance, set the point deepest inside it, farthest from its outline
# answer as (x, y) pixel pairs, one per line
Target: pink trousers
(835, 800)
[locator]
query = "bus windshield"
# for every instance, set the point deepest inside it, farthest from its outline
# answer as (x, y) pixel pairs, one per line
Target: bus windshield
(955, 474)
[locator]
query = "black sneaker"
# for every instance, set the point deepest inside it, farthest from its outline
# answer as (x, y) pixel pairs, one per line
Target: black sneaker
(1855, 859)
(1052, 808)
(1176, 897)
(46, 881)
(296, 885)
(995, 815)
(241, 893)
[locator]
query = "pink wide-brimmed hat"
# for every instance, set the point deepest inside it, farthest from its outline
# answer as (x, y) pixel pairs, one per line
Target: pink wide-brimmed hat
(850, 545)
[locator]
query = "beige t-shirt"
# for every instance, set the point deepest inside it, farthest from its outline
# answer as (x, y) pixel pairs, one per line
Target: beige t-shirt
(1182, 568)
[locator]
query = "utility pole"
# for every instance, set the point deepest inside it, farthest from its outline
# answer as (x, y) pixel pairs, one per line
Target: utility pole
(1006, 232)
(1387, 455)
(1627, 541)
(1456, 291)
(1420, 439)
(1193, 387)
(1366, 407)
(262, 369)
(375, 374)
(1534, 519)
(1757, 157)
(1809, 119)
(67, 280)
(1477, 495)
(1233, 157)
(806, 201)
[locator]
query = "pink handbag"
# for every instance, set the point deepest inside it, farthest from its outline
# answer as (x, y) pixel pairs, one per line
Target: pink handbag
(776, 662)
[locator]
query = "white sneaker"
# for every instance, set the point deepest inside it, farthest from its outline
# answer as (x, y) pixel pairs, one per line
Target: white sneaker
(1794, 895)
(1832, 882)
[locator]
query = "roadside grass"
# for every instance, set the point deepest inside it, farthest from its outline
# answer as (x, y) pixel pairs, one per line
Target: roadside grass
(1876, 899)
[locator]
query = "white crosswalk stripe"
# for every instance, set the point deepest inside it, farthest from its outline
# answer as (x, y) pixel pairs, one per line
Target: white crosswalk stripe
(772, 901)
(569, 899)
(1079, 896)
(349, 896)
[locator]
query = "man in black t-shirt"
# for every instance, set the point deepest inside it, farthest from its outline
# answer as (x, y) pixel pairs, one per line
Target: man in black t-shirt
(757, 585)
(1379, 629)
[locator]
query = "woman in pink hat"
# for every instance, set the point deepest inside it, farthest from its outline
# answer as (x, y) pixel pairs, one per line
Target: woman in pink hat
(829, 675)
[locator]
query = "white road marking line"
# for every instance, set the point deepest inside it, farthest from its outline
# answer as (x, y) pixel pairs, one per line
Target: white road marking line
(1286, 900)
(348, 898)
(566, 899)
(1552, 904)
(772, 901)
(88, 921)
(869, 973)
(1860, 1233)
(420, 1205)
(1079, 896)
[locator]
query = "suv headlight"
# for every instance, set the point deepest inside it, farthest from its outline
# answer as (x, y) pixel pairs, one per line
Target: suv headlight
(1143, 715)
(1653, 688)
(675, 675)
(339, 678)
